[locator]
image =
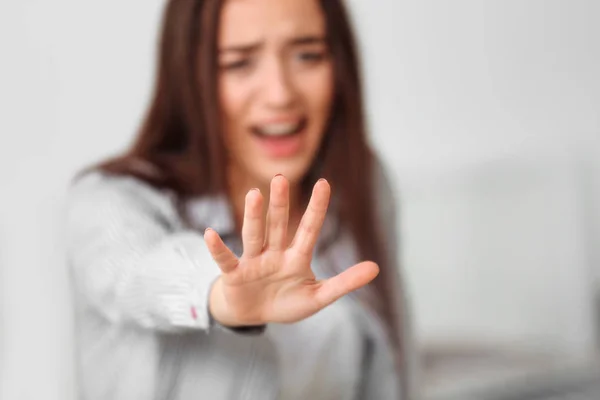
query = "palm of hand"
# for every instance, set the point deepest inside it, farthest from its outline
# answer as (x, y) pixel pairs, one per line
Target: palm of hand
(273, 282)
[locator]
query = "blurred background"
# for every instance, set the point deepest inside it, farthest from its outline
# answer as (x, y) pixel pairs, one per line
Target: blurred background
(486, 112)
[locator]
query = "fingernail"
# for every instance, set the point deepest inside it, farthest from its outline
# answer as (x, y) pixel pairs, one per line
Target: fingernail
(277, 175)
(322, 180)
(206, 230)
(256, 189)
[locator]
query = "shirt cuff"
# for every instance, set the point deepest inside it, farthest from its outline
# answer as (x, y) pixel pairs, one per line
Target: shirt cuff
(253, 330)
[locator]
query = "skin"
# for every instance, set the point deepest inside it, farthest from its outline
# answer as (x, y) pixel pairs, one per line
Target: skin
(274, 67)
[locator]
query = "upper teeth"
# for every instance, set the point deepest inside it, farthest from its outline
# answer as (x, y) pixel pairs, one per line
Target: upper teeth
(278, 129)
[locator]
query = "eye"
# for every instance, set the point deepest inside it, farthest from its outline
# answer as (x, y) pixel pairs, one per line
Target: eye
(237, 65)
(311, 56)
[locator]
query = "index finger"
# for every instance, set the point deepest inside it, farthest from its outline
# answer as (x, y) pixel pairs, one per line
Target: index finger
(312, 220)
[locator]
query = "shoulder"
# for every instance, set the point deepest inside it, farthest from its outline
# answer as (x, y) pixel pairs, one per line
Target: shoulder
(97, 195)
(99, 183)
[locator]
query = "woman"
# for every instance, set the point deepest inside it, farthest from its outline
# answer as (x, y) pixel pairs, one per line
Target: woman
(204, 262)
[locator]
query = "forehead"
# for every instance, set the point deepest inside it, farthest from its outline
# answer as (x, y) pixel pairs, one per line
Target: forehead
(245, 21)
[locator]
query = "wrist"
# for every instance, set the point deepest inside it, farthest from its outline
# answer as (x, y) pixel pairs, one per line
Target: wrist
(217, 306)
(220, 311)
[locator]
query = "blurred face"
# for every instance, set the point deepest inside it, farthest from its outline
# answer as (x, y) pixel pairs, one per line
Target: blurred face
(275, 86)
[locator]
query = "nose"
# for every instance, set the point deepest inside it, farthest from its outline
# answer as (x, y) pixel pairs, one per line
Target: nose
(278, 86)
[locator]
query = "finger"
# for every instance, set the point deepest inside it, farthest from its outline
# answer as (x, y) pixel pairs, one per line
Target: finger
(253, 226)
(277, 217)
(351, 279)
(225, 259)
(312, 220)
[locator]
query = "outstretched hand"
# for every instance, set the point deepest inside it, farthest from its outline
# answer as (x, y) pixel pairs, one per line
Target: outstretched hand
(273, 281)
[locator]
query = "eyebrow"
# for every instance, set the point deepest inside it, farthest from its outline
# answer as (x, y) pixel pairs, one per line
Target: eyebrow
(308, 40)
(241, 48)
(251, 47)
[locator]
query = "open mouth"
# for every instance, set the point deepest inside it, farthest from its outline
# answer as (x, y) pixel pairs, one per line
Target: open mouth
(280, 129)
(280, 139)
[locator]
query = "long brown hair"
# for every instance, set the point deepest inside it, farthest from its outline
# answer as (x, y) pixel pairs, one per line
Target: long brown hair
(181, 133)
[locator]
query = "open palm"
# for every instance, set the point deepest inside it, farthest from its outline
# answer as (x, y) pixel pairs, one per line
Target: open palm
(273, 282)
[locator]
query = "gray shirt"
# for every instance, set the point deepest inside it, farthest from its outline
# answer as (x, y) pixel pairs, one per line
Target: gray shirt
(141, 277)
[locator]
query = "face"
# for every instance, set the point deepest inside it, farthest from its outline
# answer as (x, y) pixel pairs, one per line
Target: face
(275, 86)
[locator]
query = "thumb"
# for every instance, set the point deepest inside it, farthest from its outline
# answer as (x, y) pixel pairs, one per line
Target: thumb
(340, 285)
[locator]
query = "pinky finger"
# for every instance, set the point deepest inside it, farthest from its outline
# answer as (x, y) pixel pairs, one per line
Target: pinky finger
(225, 259)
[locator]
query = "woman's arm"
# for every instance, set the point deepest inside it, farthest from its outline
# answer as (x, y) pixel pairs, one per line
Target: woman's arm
(128, 262)
(133, 263)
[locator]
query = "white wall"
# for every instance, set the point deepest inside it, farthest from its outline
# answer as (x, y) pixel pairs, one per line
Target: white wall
(471, 78)
(74, 79)
(456, 91)
(485, 110)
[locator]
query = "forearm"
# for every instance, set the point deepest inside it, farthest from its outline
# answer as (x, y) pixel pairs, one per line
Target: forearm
(164, 286)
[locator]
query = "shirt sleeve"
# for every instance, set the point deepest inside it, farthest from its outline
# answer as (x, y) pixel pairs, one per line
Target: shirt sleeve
(130, 264)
